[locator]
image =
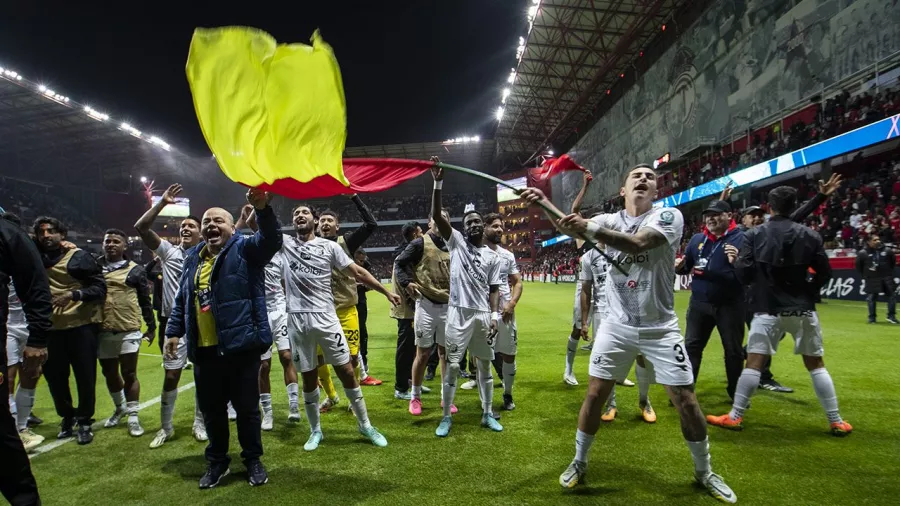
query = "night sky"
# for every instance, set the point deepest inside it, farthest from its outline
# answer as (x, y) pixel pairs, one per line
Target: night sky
(413, 71)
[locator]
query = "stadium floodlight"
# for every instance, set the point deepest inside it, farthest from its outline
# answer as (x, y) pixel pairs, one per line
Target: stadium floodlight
(130, 129)
(550, 152)
(18, 78)
(50, 93)
(159, 142)
(499, 114)
(506, 92)
(476, 139)
(42, 88)
(143, 179)
(99, 116)
(512, 76)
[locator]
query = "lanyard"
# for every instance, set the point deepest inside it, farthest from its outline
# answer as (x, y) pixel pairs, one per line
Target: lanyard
(200, 268)
(715, 247)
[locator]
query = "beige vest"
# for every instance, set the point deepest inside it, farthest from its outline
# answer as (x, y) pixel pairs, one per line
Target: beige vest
(343, 286)
(76, 313)
(121, 311)
(405, 311)
(433, 272)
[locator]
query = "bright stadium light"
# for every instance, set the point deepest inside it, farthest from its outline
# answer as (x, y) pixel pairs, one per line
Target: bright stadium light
(143, 179)
(550, 152)
(476, 139)
(99, 116)
(512, 76)
(42, 88)
(506, 92)
(159, 142)
(499, 113)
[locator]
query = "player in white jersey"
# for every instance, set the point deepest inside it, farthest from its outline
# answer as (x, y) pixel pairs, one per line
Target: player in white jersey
(21, 400)
(276, 306)
(312, 319)
(507, 343)
(172, 259)
(640, 319)
(472, 313)
(593, 275)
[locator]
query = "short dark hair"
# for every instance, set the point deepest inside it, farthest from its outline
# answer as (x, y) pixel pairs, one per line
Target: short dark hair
(409, 230)
(53, 222)
(783, 200)
(196, 219)
(116, 231)
(638, 166)
(14, 218)
(472, 212)
(329, 212)
(312, 210)
(491, 217)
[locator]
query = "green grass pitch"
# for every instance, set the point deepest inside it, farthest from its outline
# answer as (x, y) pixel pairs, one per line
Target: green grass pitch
(784, 456)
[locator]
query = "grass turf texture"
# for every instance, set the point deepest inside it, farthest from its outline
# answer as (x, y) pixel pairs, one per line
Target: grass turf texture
(784, 456)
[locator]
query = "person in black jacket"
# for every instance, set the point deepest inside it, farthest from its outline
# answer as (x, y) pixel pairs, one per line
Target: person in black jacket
(876, 264)
(786, 266)
(21, 263)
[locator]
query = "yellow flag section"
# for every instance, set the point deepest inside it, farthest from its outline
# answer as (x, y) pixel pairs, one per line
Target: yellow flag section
(268, 111)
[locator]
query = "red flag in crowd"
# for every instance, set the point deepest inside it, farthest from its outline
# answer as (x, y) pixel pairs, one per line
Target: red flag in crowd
(366, 175)
(554, 166)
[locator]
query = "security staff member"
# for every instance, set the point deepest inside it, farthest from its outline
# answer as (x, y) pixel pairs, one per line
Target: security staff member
(717, 297)
(21, 263)
(78, 291)
(876, 264)
(220, 309)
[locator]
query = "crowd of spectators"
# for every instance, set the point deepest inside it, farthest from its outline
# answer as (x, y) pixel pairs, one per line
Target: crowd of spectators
(411, 207)
(556, 258)
(30, 201)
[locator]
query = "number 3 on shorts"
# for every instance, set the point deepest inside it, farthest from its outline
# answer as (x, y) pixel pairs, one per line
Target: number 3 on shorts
(679, 353)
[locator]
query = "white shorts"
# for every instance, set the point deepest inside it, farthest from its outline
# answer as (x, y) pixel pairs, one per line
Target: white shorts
(507, 337)
(468, 329)
(180, 357)
(766, 331)
(430, 323)
(280, 340)
(309, 330)
(113, 344)
(616, 346)
(16, 337)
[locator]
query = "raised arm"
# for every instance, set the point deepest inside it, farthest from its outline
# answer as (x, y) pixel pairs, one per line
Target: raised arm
(535, 196)
(356, 238)
(443, 225)
(579, 199)
(825, 191)
(266, 242)
(145, 222)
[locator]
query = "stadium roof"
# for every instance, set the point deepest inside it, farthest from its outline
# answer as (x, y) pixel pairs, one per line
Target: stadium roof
(575, 51)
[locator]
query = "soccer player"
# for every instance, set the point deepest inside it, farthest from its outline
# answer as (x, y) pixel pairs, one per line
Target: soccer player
(172, 258)
(786, 265)
(127, 302)
(640, 319)
(277, 310)
(510, 292)
(312, 319)
(423, 270)
(472, 315)
(405, 353)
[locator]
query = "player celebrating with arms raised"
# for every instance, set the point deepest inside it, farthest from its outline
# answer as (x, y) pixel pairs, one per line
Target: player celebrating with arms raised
(640, 319)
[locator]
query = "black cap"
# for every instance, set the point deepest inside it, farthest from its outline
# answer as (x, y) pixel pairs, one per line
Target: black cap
(718, 206)
(753, 209)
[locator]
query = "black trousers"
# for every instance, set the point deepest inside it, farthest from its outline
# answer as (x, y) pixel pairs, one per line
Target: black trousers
(702, 318)
(406, 354)
(223, 378)
(76, 350)
(362, 309)
(16, 481)
(887, 287)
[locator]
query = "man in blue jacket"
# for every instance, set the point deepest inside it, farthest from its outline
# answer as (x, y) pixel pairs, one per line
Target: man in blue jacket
(220, 309)
(717, 297)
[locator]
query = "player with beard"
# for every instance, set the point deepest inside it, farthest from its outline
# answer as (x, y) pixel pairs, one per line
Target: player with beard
(277, 310)
(510, 292)
(472, 315)
(640, 319)
(313, 321)
(172, 259)
(127, 302)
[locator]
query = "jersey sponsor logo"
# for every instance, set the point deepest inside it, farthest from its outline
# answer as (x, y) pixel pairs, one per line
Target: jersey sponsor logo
(796, 313)
(305, 269)
(666, 218)
(632, 284)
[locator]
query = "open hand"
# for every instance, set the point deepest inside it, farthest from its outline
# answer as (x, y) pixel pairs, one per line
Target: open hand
(32, 360)
(532, 195)
(171, 192)
(834, 182)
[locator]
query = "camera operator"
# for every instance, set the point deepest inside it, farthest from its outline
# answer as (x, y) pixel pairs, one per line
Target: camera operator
(875, 263)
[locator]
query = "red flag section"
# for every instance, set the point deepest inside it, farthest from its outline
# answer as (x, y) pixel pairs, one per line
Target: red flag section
(366, 175)
(554, 166)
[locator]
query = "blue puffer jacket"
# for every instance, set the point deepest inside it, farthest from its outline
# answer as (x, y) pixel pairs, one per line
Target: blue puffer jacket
(238, 291)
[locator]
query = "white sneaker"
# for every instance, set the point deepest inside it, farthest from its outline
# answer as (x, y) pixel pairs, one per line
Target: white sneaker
(717, 488)
(134, 428)
(200, 433)
(268, 421)
(115, 418)
(327, 403)
(232, 414)
(294, 414)
(625, 383)
(30, 440)
(469, 385)
(425, 390)
(573, 475)
(161, 437)
(587, 347)
(570, 379)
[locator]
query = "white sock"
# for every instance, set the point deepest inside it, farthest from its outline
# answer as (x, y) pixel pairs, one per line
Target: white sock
(293, 391)
(583, 442)
(198, 415)
(118, 399)
(448, 388)
(643, 381)
(265, 401)
(611, 401)
(358, 405)
(700, 454)
(24, 402)
(167, 409)
(509, 376)
(746, 385)
(363, 374)
(824, 387)
(485, 385)
(571, 350)
(12, 404)
(311, 405)
(131, 407)
(417, 391)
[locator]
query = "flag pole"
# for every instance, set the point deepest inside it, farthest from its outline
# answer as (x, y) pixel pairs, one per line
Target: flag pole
(550, 210)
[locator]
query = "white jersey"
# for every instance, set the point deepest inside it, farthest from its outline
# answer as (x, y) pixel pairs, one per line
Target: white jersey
(472, 272)
(593, 269)
(172, 260)
(16, 313)
(307, 273)
(274, 272)
(645, 297)
(508, 267)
